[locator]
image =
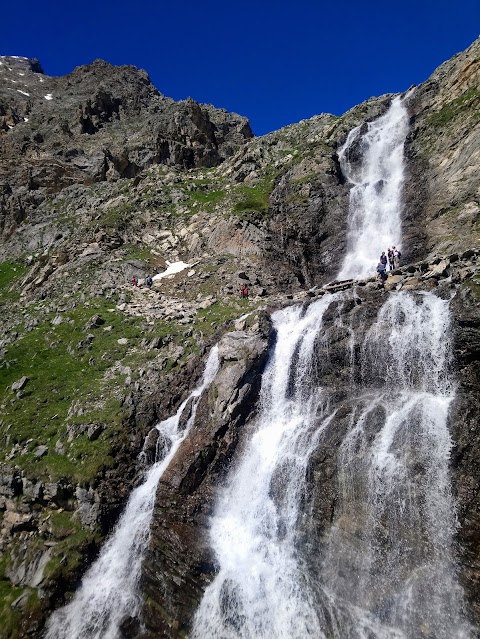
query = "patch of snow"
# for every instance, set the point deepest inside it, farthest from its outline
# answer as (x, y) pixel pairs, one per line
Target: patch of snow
(25, 119)
(49, 96)
(175, 267)
(41, 79)
(23, 92)
(10, 126)
(21, 74)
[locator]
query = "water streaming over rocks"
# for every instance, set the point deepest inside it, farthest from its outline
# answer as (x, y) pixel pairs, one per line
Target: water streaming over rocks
(109, 592)
(261, 590)
(372, 160)
(385, 569)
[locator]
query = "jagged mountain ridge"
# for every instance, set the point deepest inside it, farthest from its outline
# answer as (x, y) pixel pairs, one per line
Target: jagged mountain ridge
(99, 122)
(272, 214)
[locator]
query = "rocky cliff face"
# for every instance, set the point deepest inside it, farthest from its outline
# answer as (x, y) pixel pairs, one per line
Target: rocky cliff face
(442, 194)
(102, 178)
(98, 123)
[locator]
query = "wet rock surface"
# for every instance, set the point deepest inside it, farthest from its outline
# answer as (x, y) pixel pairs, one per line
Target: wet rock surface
(178, 549)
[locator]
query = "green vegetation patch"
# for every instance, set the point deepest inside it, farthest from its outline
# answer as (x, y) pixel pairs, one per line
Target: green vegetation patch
(71, 543)
(119, 218)
(207, 199)
(10, 272)
(64, 366)
(218, 315)
(138, 252)
(468, 100)
(11, 618)
(254, 198)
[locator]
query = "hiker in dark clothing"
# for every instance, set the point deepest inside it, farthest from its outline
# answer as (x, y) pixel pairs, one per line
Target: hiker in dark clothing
(382, 271)
(391, 258)
(149, 281)
(383, 259)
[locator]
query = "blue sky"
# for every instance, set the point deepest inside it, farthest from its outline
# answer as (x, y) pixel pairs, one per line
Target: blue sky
(274, 62)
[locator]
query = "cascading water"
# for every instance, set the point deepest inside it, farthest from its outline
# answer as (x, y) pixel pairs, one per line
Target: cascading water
(260, 591)
(395, 578)
(375, 198)
(386, 569)
(109, 591)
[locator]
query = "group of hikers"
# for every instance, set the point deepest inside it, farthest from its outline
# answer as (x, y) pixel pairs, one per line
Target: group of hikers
(392, 258)
(148, 281)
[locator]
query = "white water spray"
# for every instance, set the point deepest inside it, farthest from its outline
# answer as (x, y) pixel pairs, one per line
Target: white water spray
(109, 591)
(375, 205)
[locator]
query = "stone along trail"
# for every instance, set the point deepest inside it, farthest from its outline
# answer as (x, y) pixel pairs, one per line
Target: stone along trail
(109, 591)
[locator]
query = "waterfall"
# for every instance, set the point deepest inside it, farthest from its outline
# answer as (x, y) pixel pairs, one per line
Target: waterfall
(395, 577)
(109, 591)
(385, 567)
(261, 591)
(375, 197)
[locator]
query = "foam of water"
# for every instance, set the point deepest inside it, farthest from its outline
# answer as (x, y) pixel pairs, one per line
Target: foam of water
(375, 197)
(109, 591)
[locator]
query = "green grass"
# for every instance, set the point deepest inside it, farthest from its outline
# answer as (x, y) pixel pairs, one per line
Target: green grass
(254, 199)
(468, 100)
(11, 618)
(136, 252)
(60, 373)
(119, 218)
(72, 542)
(218, 315)
(10, 272)
(207, 199)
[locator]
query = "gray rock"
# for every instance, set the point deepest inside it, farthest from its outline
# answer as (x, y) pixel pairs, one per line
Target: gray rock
(41, 451)
(94, 322)
(94, 431)
(88, 510)
(20, 384)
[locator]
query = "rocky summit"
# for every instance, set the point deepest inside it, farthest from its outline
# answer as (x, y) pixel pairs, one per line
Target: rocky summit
(105, 182)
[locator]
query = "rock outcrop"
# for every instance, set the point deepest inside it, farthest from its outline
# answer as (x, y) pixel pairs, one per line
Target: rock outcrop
(443, 150)
(98, 123)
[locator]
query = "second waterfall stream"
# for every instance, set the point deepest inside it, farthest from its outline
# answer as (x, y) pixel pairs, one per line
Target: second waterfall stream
(109, 593)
